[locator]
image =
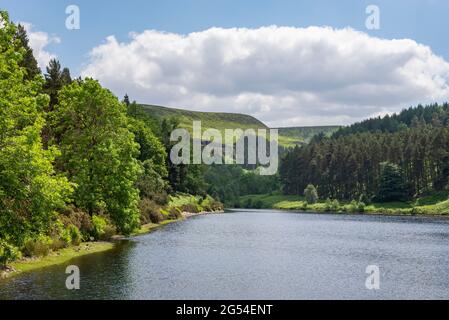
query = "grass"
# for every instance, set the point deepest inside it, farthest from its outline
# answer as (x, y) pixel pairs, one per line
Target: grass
(59, 257)
(150, 227)
(433, 204)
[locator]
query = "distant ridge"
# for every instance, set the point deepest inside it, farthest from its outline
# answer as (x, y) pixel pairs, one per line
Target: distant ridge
(288, 137)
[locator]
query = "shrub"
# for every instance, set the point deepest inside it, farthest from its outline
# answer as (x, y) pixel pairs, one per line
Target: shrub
(75, 235)
(109, 232)
(190, 207)
(361, 206)
(304, 205)
(248, 203)
(78, 218)
(150, 212)
(311, 194)
(328, 205)
(8, 253)
(332, 205)
(39, 247)
(258, 204)
(98, 226)
(174, 213)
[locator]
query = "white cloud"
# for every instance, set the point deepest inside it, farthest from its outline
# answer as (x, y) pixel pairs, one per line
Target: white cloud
(39, 40)
(284, 76)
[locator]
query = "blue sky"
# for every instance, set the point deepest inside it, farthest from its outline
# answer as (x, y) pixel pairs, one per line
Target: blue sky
(301, 103)
(422, 20)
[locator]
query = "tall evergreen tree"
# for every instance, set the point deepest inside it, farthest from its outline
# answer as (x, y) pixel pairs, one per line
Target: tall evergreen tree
(28, 60)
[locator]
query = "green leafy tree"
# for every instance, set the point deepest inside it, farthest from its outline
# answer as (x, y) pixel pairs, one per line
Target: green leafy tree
(30, 191)
(311, 194)
(98, 152)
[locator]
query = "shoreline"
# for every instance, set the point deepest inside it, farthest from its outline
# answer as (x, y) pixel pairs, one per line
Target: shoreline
(85, 248)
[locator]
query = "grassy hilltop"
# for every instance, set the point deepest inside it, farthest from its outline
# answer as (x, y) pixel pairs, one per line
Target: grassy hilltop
(288, 137)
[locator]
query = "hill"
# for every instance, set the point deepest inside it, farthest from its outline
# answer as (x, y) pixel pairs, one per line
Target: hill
(216, 120)
(292, 136)
(288, 137)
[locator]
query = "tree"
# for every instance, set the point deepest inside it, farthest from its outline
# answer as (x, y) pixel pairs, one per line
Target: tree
(126, 100)
(311, 194)
(391, 183)
(98, 152)
(55, 79)
(28, 61)
(30, 191)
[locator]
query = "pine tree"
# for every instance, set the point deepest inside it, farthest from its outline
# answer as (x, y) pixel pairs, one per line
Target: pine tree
(28, 61)
(391, 183)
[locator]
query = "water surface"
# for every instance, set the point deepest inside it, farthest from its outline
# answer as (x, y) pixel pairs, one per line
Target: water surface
(260, 254)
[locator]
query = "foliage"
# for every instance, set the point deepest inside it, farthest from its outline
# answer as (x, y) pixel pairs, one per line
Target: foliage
(39, 247)
(8, 253)
(98, 226)
(391, 184)
(150, 211)
(311, 194)
(98, 152)
(30, 191)
(348, 166)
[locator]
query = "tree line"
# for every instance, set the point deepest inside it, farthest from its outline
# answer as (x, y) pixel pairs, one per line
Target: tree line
(75, 162)
(393, 158)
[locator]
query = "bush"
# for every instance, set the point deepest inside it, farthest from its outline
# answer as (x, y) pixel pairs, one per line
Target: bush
(190, 208)
(258, 204)
(78, 218)
(8, 253)
(98, 226)
(332, 205)
(248, 203)
(304, 205)
(311, 194)
(328, 205)
(37, 247)
(150, 212)
(75, 235)
(174, 213)
(361, 207)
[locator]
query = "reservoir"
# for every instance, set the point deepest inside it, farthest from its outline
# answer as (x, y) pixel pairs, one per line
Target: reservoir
(260, 254)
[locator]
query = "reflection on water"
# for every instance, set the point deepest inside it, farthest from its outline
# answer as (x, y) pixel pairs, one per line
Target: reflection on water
(257, 254)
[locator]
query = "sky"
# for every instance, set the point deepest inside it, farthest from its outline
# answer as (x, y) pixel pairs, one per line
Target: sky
(287, 62)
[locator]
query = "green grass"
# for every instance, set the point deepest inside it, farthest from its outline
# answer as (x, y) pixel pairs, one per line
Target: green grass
(61, 256)
(150, 227)
(215, 120)
(434, 204)
(292, 136)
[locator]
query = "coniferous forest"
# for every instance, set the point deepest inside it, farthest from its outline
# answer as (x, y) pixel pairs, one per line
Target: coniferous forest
(394, 158)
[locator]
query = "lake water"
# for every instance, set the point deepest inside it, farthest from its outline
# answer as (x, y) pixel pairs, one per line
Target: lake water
(258, 254)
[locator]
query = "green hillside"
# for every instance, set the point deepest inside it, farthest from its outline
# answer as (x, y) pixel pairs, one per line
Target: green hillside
(288, 137)
(298, 135)
(216, 120)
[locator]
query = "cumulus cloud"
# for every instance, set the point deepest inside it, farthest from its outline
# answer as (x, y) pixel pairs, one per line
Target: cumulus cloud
(284, 76)
(39, 40)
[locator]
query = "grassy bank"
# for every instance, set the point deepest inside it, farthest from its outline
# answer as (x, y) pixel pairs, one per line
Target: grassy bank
(434, 204)
(58, 257)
